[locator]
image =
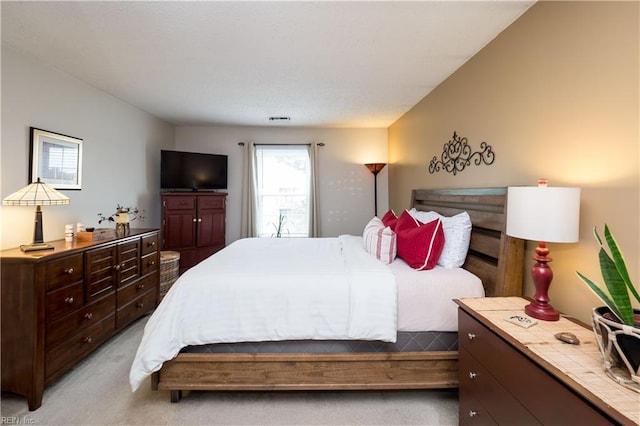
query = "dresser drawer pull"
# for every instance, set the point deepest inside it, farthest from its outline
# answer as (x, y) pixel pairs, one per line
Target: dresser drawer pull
(69, 300)
(140, 286)
(151, 244)
(472, 375)
(471, 336)
(87, 340)
(151, 263)
(88, 315)
(139, 304)
(116, 267)
(472, 413)
(68, 271)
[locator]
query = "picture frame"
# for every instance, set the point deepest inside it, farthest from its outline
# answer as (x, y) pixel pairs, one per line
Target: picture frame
(56, 159)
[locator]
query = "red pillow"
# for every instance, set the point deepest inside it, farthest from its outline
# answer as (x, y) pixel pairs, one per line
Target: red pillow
(390, 219)
(406, 221)
(419, 244)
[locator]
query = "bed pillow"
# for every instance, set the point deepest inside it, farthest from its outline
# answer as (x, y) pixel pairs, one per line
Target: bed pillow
(457, 233)
(390, 219)
(419, 244)
(380, 241)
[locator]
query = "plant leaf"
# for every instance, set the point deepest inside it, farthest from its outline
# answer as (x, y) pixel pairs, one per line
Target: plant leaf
(616, 286)
(616, 278)
(595, 234)
(601, 294)
(619, 261)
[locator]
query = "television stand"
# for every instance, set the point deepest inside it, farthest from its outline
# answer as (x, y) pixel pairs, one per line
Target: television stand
(193, 224)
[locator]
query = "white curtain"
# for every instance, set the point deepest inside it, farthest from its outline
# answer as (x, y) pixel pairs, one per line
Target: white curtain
(248, 226)
(314, 216)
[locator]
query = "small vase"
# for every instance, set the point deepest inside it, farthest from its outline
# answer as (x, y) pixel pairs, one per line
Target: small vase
(619, 346)
(122, 222)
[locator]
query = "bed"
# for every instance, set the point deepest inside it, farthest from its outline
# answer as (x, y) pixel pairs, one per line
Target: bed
(495, 258)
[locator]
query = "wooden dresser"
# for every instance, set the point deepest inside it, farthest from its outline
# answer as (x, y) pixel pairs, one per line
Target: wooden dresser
(514, 375)
(59, 305)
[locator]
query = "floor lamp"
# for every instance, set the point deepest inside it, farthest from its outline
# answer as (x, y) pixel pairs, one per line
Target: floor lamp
(375, 169)
(36, 194)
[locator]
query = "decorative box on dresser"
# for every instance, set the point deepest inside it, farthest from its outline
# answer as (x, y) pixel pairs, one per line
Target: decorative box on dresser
(59, 305)
(514, 375)
(193, 224)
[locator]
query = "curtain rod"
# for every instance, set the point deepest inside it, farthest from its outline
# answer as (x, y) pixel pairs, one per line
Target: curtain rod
(282, 144)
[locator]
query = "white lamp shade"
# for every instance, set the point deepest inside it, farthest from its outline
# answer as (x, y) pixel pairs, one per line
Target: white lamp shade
(548, 214)
(36, 194)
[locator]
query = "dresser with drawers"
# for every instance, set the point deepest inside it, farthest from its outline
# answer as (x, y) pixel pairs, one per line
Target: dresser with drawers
(510, 374)
(59, 305)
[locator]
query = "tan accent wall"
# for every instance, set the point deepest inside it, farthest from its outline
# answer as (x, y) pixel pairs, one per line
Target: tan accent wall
(556, 96)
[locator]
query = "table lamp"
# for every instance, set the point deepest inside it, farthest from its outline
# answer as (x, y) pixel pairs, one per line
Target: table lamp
(36, 194)
(375, 169)
(547, 215)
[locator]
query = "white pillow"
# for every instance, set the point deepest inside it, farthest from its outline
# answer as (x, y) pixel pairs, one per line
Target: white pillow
(457, 235)
(380, 241)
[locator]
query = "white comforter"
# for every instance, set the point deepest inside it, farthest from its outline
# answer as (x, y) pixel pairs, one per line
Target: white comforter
(260, 289)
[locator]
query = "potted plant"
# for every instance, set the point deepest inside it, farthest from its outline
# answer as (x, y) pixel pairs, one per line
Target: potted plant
(281, 226)
(616, 325)
(122, 217)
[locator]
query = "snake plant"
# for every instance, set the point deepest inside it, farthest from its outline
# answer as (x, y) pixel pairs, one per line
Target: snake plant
(618, 285)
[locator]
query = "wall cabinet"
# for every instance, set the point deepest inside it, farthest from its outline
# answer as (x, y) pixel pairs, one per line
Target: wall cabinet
(193, 224)
(59, 305)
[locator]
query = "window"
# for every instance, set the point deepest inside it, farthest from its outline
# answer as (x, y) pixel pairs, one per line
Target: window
(61, 162)
(283, 183)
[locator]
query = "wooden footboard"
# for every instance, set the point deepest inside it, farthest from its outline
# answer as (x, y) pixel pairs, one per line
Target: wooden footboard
(358, 371)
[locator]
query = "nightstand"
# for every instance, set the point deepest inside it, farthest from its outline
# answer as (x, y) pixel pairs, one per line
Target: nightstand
(514, 375)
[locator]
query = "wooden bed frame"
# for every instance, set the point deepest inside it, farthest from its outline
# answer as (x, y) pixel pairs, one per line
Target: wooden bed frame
(493, 256)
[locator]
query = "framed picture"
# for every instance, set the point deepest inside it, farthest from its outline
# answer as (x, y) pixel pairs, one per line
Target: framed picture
(56, 159)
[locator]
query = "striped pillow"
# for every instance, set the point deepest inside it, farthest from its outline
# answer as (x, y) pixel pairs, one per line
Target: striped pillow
(379, 241)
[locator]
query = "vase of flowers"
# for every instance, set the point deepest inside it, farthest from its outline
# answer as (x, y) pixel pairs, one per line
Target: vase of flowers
(122, 218)
(617, 324)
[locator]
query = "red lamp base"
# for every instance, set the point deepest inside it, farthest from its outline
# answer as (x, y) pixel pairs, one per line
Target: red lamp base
(542, 276)
(541, 311)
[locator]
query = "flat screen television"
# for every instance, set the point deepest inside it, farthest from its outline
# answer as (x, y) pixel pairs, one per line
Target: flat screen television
(191, 171)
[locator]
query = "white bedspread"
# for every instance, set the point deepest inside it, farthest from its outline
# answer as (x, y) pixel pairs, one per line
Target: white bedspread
(425, 298)
(272, 289)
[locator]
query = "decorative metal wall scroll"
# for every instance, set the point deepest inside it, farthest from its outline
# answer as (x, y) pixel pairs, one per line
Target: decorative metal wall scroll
(456, 155)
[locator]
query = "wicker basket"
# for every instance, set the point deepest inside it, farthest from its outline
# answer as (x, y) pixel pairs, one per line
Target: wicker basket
(169, 266)
(619, 346)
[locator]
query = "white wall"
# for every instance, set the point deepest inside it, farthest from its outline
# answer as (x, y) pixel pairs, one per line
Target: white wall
(121, 158)
(346, 186)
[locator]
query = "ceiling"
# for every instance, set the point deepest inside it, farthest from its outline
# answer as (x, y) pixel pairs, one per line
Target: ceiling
(321, 63)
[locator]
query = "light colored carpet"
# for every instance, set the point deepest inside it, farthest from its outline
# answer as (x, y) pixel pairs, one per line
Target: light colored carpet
(96, 392)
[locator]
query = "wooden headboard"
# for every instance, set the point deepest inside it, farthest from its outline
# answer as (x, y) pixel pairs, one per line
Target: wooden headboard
(493, 256)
